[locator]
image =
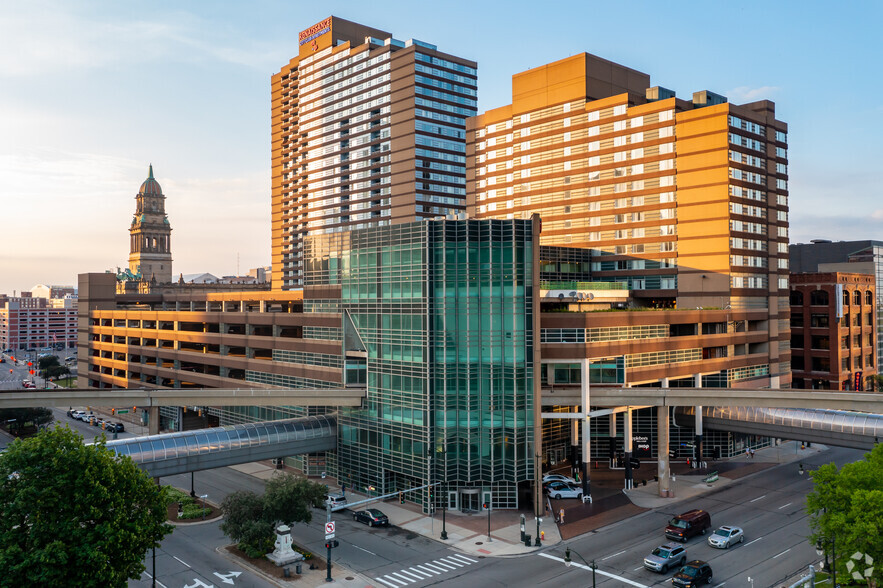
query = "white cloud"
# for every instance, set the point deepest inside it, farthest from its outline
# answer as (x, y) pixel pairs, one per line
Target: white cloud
(748, 94)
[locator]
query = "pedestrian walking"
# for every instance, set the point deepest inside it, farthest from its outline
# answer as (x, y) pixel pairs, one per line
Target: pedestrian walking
(752, 454)
(561, 516)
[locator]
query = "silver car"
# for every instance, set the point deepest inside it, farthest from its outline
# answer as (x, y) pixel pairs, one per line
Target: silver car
(726, 536)
(666, 556)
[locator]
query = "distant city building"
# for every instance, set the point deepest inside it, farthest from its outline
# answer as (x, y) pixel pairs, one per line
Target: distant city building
(864, 257)
(204, 278)
(150, 247)
(367, 131)
(41, 291)
(31, 323)
(262, 274)
(833, 330)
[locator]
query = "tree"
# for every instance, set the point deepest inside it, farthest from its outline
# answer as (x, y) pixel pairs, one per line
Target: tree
(245, 522)
(17, 417)
(75, 515)
(846, 505)
(290, 499)
(47, 362)
(250, 520)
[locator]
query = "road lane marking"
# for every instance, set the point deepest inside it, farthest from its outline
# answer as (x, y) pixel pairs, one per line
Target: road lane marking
(389, 582)
(754, 541)
(420, 573)
(758, 498)
(784, 505)
(363, 549)
(603, 573)
(422, 567)
(157, 581)
(614, 555)
(783, 553)
(443, 565)
(432, 567)
(454, 562)
(411, 574)
(636, 569)
(463, 557)
(182, 561)
(719, 585)
(400, 578)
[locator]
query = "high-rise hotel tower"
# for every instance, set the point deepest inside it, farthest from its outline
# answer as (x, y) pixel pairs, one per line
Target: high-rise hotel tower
(367, 130)
(684, 200)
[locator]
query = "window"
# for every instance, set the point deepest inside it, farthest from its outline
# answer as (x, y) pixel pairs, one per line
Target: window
(818, 320)
(869, 319)
(869, 298)
(818, 298)
(796, 298)
(844, 342)
(820, 342)
(856, 340)
(796, 320)
(821, 364)
(857, 319)
(857, 297)
(845, 298)
(844, 364)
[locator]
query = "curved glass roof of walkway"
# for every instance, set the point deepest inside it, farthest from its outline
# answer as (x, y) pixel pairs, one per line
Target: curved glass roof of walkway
(202, 449)
(841, 428)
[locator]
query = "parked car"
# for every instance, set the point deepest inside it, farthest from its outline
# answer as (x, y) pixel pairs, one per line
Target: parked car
(689, 524)
(726, 536)
(335, 500)
(371, 517)
(692, 574)
(559, 490)
(114, 427)
(76, 414)
(558, 478)
(666, 556)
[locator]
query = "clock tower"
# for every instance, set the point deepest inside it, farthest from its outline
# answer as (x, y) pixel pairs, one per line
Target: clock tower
(150, 253)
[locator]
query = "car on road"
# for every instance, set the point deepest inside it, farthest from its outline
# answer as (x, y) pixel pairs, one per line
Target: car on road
(558, 478)
(694, 573)
(76, 414)
(559, 490)
(371, 517)
(335, 500)
(726, 536)
(114, 427)
(666, 556)
(691, 523)
(87, 417)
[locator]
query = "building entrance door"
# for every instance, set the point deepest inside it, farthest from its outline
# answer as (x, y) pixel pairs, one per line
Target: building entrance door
(469, 500)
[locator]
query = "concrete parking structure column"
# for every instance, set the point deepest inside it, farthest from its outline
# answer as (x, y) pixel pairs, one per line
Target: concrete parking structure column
(664, 465)
(627, 442)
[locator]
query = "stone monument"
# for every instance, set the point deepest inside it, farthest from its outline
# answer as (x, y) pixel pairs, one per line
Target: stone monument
(284, 554)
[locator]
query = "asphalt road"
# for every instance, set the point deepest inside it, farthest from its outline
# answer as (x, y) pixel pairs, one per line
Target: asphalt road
(768, 505)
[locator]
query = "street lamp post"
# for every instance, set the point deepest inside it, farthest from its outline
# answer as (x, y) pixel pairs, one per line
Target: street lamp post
(568, 561)
(444, 496)
(539, 495)
(821, 549)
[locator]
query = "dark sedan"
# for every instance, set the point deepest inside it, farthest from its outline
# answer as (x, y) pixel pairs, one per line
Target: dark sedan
(371, 517)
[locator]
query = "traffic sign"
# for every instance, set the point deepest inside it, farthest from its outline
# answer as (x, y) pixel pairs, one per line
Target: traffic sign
(329, 527)
(122, 410)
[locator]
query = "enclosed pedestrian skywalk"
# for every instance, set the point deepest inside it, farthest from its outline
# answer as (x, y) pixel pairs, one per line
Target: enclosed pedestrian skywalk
(203, 449)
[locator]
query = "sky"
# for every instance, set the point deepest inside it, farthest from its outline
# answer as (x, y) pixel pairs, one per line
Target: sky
(92, 92)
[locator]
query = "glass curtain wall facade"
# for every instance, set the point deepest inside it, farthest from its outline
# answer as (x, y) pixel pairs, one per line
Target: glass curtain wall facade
(444, 310)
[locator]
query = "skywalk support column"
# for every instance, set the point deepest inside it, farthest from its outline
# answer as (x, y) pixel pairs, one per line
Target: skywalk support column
(574, 444)
(585, 387)
(663, 470)
(698, 427)
(611, 440)
(153, 420)
(627, 440)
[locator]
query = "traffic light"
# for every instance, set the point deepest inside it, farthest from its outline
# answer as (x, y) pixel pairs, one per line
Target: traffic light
(401, 498)
(430, 493)
(485, 505)
(331, 544)
(635, 463)
(113, 411)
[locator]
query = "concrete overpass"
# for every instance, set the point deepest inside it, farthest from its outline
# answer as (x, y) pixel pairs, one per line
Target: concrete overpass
(613, 396)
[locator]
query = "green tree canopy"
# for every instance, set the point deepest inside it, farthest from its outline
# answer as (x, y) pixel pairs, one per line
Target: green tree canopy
(47, 362)
(17, 417)
(75, 515)
(250, 520)
(846, 505)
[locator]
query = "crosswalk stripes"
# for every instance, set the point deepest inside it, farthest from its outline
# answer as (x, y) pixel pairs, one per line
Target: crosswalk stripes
(425, 571)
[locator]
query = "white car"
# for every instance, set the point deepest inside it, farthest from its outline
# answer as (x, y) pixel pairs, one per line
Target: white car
(559, 490)
(558, 478)
(726, 536)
